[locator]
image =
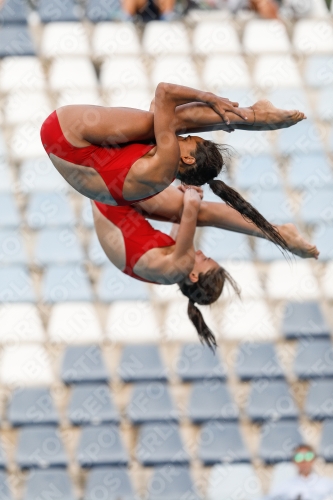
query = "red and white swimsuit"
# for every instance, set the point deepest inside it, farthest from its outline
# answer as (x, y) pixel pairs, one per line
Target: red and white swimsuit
(112, 163)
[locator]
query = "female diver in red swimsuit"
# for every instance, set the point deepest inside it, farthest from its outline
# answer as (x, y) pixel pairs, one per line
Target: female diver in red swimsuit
(144, 253)
(94, 149)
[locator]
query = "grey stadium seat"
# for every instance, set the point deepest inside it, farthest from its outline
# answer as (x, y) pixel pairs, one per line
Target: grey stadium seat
(111, 483)
(231, 481)
(49, 484)
(224, 245)
(15, 40)
(14, 11)
(326, 442)
(323, 237)
(115, 285)
(258, 360)
(49, 210)
(29, 406)
(211, 400)
(318, 405)
(92, 404)
(61, 11)
(198, 362)
(304, 319)
(270, 400)
(101, 445)
(317, 207)
(151, 402)
(58, 246)
(99, 10)
(141, 363)
(278, 441)
(310, 171)
(5, 493)
(266, 250)
(263, 173)
(9, 214)
(40, 447)
(160, 444)
(318, 71)
(83, 364)
(12, 249)
(314, 359)
(274, 205)
(68, 283)
(303, 138)
(172, 483)
(222, 442)
(16, 285)
(325, 104)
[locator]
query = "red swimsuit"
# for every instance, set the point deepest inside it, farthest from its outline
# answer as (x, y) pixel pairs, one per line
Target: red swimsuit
(112, 163)
(139, 235)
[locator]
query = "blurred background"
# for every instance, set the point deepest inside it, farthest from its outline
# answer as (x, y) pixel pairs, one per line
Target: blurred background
(105, 391)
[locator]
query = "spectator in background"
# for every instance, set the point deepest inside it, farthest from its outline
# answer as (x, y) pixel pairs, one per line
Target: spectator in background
(306, 485)
(268, 9)
(149, 10)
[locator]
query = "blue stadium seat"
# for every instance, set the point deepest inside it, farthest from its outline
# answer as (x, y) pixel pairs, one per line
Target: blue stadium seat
(273, 205)
(304, 319)
(83, 364)
(198, 362)
(246, 142)
(318, 71)
(224, 245)
(3, 460)
(29, 406)
(14, 11)
(160, 444)
(5, 170)
(256, 361)
(12, 249)
(38, 175)
(65, 284)
(326, 442)
(96, 253)
(49, 484)
(278, 441)
(302, 138)
(87, 218)
(222, 442)
(110, 483)
(58, 246)
(9, 214)
(259, 172)
(266, 250)
(291, 98)
(323, 237)
(115, 285)
(270, 400)
(318, 405)
(140, 363)
(40, 446)
(99, 10)
(92, 404)
(244, 96)
(62, 11)
(16, 285)
(172, 483)
(314, 359)
(15, 40)
(101, 445)
(310, 171)
(49, 210)
(325, 104)
(211, 400)
(151, 402)
(5, 491)
(317, 206)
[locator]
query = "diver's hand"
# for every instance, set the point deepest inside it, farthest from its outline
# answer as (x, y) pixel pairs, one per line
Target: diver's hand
(183, 188)
(192, 198)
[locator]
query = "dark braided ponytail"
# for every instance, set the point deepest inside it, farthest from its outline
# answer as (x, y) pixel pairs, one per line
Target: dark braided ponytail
(205, 291)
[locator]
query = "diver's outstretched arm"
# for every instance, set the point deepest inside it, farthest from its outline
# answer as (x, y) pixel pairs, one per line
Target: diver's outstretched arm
(168, 206)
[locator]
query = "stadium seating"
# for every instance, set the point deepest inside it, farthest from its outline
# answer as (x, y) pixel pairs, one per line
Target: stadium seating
(151, 402)
(140, 363)
(110, 482)
(101, 445)
(15, 40)
(228, 480)
(313, 359)
(60, 12)
(16, 285)
(58, 246)
(318, 403)
(304, 319)
(278, 441)
(46, 440)
(31, 406)
(211, 400)
(20, 322)
(198, 362)
(74, 323)
(172, 483)
(270, 400)
(114, 285)
(92, 404)
(258, 361)
(325, 448)
(160, 444)
(12, 248)
(66, 283)
(49, 482)
(222, 442)
(82, 364)
(4, 486)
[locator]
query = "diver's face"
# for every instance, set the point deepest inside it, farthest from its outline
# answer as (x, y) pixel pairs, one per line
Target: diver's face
(202, 265)
(188, 146)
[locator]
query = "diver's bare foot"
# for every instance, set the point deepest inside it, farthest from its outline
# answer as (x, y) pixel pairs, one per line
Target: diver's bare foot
(268, 117)
(296, 244)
